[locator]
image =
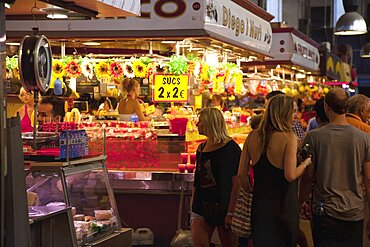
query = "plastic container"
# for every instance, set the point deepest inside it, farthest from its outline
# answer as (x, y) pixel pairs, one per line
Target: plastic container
(178, 126)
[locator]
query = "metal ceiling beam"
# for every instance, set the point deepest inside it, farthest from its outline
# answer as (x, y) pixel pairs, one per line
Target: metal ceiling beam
(72, 7)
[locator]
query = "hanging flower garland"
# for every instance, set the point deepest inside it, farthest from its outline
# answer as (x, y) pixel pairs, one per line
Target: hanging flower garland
(140, 69)
(73, 69)
(87, 67)
(102, 70)
(128, 70)
(178, 65)
(58, 68)
(116, 70)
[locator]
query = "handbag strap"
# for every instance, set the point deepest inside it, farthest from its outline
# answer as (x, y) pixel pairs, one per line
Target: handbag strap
(248, 164)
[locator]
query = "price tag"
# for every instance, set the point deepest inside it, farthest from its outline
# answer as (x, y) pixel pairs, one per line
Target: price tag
(238, 86)
(150, 110)
(170, 88)
(198, 100)
(216, 86)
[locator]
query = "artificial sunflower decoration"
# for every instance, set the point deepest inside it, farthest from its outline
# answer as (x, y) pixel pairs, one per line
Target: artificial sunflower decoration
(58, 68)
(128, 70)
(88, 68)
(116, 70)
(140, 69)
(73, 69)
(102, 70)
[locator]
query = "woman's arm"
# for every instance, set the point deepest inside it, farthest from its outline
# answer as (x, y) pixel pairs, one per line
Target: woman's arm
(139, 113)
(291, 171)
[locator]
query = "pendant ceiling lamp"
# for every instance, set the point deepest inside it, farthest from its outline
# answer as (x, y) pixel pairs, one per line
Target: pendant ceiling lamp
(351, 22)
(365, 50)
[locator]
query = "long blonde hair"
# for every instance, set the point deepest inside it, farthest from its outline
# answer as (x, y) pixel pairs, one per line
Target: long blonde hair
(277, 117)
(214, 125)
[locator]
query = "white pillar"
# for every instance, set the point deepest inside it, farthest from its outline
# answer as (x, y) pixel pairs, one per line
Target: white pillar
(275, 7)
(338, 11)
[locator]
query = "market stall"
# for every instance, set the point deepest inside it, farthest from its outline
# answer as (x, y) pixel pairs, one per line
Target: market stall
(50, 225)
(197, 43)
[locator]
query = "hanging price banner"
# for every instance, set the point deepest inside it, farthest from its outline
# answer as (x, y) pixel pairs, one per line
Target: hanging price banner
(238, 86)
(216, 86)
(170, 88)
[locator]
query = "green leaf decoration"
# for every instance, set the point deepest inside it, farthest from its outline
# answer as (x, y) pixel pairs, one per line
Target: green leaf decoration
(193, 57)
(12, 62)
(178, 65)
(146, 60)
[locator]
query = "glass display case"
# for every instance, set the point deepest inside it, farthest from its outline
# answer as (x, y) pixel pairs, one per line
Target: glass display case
(81, 184)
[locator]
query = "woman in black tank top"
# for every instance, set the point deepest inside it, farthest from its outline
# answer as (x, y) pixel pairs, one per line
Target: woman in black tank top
(271, 150)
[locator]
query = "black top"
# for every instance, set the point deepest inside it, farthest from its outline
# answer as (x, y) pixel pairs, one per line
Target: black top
(275, 215)
(213, 175)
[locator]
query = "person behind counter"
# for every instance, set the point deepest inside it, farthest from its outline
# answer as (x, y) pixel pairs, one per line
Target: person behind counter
(217, 162)
(129, 107)
(25, 111)
(109, 104)
(218, 102)
(50, 108)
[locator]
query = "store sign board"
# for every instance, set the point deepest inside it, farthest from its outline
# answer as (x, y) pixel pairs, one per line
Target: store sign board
(330, 66)
(164, 14)
(129, 6)
(305, 54)
(170, 88)
(229, 21)
(288, 47)
(171, 18)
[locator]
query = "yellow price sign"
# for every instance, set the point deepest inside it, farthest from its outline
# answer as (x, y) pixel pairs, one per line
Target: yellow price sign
(170, 88)
(238, 86)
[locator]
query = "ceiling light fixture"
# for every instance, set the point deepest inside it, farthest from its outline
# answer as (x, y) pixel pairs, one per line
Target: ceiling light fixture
(91, 43)
(168, 42)
(351, 23)
(13, 43)
(365, 50)
(56, 13)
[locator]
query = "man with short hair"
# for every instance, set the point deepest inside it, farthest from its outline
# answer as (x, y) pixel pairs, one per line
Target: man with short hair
(51, 107)
(358, 112)
(340, 161)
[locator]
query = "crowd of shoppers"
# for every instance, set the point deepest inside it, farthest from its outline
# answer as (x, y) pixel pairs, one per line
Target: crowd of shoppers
(335, 178)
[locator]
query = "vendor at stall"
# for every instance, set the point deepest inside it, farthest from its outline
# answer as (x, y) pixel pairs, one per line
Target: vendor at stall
(129, 107)
(50, 108)
(25, 111)
(218, 102)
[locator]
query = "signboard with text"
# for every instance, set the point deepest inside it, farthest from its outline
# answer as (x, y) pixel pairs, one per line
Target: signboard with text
(170, 88)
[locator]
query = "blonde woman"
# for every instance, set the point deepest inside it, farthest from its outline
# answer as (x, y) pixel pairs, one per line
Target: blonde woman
(272, 152)
(129, 106)
(25, 111)
(216, 164)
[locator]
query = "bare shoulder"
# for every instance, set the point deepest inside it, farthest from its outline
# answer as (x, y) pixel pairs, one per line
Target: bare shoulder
(284, 137)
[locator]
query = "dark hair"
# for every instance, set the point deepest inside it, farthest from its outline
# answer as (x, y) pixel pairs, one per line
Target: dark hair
(57, 103)
(129, 84)
(255, 121)
(337, 100)
(273, 93)
(320, 110)
(113, 101)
